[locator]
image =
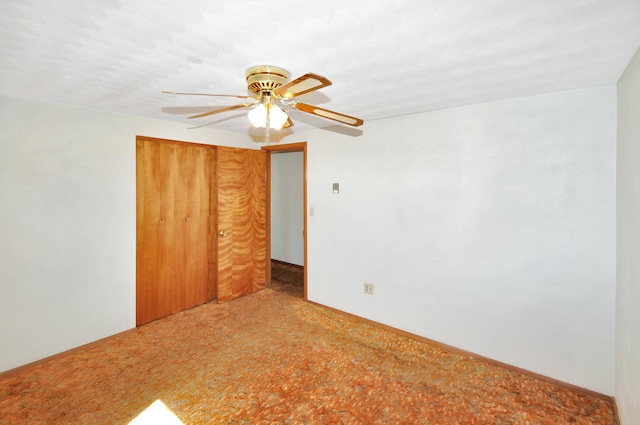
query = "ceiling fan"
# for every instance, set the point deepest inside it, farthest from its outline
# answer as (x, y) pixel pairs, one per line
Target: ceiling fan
(272, 94)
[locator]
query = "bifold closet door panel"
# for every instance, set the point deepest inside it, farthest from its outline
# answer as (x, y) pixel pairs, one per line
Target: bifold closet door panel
(174, 186)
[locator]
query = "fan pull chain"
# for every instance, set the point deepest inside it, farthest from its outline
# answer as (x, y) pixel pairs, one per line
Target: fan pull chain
(268, 122)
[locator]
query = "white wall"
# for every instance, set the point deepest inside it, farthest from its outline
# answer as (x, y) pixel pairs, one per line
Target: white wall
(627, 391)
(67, 223)
(489, 227)
(287, 207)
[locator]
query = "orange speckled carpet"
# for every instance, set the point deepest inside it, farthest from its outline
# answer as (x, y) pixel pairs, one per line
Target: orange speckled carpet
(271, 358)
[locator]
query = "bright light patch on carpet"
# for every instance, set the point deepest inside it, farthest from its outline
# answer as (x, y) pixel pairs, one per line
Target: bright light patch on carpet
(156, 414)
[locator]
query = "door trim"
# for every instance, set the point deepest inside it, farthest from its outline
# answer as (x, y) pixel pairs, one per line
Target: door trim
(292, 147)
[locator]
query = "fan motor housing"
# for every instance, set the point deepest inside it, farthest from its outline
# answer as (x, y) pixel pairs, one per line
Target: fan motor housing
(266, 78)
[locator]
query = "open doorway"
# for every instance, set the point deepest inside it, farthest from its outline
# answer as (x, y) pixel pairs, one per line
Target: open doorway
(287, 224)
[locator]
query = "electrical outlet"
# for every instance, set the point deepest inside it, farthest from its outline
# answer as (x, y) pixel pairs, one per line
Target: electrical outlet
(368, 288)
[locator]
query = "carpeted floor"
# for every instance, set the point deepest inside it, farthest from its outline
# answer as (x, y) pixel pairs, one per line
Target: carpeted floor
(270, 358)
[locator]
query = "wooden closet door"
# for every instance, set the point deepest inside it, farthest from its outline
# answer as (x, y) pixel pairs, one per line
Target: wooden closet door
(242, 221)
(174, 213)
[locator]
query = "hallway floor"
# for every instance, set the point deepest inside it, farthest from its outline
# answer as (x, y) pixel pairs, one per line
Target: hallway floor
(287, 278)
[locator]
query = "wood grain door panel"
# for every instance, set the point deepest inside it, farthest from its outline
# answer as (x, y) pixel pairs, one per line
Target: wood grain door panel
(242, 216)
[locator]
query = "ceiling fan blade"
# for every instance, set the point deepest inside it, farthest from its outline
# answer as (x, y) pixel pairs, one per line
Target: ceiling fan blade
(288, 124)
(229, 108)
(301, 85)
(325, 113)
(209, 94)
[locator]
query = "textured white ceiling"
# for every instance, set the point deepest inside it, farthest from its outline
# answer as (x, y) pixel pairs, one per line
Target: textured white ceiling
(385, 58)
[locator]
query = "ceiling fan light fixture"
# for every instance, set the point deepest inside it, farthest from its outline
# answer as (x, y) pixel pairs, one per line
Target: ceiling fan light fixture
(258, 116)
(271, 89)
(277, 117)
(263, 113)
